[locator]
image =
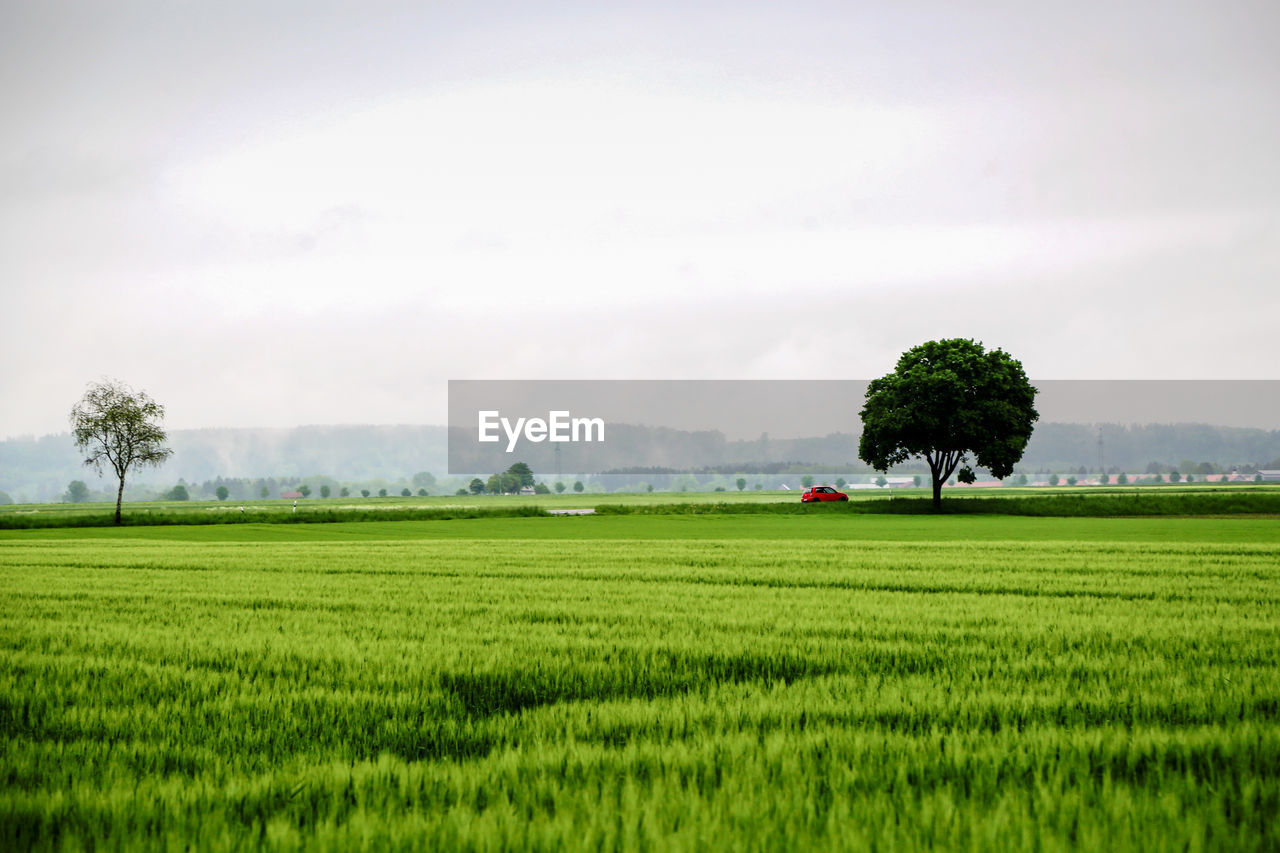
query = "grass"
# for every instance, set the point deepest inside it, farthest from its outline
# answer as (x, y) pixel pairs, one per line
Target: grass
(187, 516)
(31, 516)
(941, 532)
(1080, 505)
(1195, 500)
(644, 682)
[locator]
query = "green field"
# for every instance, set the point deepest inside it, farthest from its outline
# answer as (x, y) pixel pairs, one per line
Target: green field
(569, 499)
(1084, 502)
(827, 681)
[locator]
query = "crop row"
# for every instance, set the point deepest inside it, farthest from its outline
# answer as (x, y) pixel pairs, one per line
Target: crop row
(488, 694)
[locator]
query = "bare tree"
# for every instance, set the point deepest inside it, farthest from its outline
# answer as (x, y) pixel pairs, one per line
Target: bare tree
(112, 424)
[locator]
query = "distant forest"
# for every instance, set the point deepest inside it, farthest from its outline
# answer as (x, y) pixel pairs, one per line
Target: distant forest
(40, 469)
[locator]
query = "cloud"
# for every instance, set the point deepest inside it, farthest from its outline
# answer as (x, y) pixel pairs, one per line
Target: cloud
(281, 213)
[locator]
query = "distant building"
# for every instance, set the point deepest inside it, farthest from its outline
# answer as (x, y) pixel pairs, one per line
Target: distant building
(291, 495)
(1272, 476)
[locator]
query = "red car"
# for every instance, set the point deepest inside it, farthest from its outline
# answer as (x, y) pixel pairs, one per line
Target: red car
(822, 493)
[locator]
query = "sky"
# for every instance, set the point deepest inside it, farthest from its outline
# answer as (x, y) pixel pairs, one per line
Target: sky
(285, 213)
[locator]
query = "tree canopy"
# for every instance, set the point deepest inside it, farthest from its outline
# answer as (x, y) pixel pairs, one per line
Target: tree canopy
(77, 492)
(116, 426)
(947, 401)
(522, 474)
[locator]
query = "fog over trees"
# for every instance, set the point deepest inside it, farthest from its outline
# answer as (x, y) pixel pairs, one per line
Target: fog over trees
(40, 469)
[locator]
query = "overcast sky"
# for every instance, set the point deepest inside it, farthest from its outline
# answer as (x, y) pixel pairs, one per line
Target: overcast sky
(279, 213)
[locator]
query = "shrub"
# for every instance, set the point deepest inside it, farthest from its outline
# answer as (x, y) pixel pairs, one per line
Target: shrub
(1146, 503)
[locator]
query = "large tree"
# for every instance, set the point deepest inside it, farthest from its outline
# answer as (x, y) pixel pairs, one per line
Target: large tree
(945, 401)
(117, 426)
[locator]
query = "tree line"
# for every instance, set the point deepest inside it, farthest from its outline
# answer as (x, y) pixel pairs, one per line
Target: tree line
(39, 469)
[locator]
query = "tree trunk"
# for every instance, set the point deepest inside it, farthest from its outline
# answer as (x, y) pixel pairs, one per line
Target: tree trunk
(940, 466)
(119, 497)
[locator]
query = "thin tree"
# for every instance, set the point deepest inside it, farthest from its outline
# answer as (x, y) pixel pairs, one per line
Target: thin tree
(116, 426)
